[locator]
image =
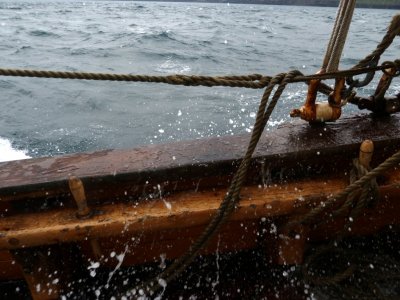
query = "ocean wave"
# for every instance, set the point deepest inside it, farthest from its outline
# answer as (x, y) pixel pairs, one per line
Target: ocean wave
(159, 35)
(174, 56)
(79, 51)
(8, 153)
(173, 67)
(22, 49)
(64, 11)
(6, 84)
(12, 7)
(43, 33)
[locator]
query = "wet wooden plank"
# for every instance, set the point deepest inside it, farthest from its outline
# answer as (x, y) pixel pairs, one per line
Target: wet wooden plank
(162, 232)
(177, 211)
(111, 173)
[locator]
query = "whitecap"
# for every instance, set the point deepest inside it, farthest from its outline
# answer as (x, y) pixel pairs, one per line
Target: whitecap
(7, 152)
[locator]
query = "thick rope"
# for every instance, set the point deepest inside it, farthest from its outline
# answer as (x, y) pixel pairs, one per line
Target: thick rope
(255, 81)
(392, 32)
(360, 198)
(339, 35)
(233, 195)
(329, 49)
(379, 170)
(356, 202)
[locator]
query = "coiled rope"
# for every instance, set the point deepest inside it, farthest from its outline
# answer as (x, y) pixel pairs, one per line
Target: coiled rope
(233, 195)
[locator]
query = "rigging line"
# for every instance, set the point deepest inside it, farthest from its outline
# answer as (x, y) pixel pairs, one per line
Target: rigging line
(333, 64)
(339, 34)
(333, 35)
(246, 81)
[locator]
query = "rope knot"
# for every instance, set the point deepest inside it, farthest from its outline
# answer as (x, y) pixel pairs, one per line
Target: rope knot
(365, 196)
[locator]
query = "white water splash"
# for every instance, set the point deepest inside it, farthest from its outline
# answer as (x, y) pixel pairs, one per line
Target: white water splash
(92, 268)
(120, 259)
(7, 152)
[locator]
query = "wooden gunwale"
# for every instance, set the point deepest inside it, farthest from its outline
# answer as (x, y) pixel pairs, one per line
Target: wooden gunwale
(187, 210)
(113, 174)
(288, 144)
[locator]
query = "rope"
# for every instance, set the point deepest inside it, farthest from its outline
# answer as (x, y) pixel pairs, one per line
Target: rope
(372, 59)
(233, 194)
(359, 198)
(392, 32)
(383, 167)
(255, 81)
(339, 35)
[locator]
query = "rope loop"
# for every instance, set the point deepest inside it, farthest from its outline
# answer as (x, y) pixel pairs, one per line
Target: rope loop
(368, 77)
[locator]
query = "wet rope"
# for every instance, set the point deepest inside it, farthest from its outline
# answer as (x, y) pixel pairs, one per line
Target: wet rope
(233, 195)
(379, 170)
(392, 32)
(356, 201)
(255, 81)
(366, 196)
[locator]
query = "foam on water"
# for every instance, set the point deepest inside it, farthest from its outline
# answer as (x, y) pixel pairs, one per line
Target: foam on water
(7, 152)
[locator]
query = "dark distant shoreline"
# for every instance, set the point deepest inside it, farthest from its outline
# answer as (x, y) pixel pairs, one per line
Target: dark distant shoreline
(321, 3)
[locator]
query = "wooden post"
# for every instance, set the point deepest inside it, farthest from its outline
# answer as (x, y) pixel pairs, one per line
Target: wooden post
(366, 151)
(78, 192)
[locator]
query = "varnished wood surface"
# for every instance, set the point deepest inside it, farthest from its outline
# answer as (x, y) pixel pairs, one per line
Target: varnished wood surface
(180, 211)
(188, 209)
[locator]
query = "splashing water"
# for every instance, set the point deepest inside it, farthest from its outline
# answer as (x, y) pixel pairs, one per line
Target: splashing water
(7, 152)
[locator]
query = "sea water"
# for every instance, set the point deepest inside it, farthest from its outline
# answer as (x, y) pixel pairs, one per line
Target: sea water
(45, 117)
